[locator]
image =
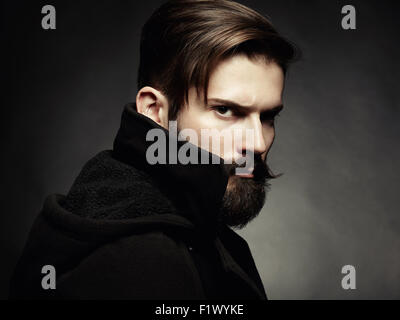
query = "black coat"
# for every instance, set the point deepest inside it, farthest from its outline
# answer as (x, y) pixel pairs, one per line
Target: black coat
(130, 230)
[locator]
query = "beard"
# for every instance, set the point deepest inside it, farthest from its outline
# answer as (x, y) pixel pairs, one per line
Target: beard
(244, 197)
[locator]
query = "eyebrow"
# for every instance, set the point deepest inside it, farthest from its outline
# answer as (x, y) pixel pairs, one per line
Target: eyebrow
(246, 109)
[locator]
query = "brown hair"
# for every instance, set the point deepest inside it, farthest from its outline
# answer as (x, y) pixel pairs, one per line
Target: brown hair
(183, 40)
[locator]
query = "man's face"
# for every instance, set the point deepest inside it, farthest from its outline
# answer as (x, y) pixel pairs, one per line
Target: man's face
(243, 94)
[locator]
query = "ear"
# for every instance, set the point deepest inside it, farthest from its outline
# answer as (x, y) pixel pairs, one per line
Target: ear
(153, 104)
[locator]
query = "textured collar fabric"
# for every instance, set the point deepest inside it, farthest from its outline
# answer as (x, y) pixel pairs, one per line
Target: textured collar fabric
(196, 189)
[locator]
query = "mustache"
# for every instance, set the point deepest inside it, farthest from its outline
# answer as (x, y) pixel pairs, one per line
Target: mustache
(261, 171)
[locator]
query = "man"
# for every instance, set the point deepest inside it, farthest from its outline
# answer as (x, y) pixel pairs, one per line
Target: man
(134, 228)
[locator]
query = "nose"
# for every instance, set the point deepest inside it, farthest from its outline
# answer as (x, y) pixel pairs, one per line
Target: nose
(256, 141)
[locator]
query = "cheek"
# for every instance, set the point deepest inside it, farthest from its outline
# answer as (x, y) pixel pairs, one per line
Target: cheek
(193, 118)
(269, 136)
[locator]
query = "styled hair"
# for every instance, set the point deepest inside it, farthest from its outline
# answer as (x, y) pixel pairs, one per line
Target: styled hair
(183, 40)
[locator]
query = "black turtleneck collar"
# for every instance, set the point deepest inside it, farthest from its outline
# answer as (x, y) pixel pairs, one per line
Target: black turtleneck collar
(196, 189)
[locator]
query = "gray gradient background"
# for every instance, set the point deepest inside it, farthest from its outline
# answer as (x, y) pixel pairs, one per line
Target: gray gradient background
(337, 139)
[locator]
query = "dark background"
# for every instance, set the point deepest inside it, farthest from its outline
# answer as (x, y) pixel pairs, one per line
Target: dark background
(337, 140)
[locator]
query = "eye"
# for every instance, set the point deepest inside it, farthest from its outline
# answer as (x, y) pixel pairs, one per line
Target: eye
(224, 111)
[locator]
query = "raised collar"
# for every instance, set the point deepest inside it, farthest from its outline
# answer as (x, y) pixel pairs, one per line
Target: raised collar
(195, 189)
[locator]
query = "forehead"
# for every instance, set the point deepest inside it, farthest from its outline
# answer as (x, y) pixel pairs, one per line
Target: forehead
(248, 82)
